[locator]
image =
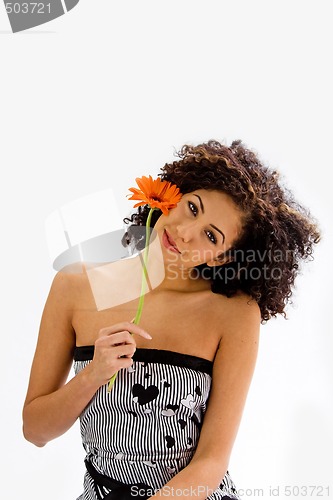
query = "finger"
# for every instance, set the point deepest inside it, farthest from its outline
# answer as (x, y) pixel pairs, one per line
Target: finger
(116, 339)
(130, 327)
(124, 351)
(124, 363)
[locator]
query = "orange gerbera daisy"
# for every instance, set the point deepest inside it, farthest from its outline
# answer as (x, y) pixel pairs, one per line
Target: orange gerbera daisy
(155, 193)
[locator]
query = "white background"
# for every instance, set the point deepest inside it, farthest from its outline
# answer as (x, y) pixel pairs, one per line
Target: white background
(104, 94)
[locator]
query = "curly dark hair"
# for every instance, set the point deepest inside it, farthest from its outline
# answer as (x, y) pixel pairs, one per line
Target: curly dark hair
(277, 232)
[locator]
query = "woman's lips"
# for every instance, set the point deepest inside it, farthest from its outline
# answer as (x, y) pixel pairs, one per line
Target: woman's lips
(168, 242)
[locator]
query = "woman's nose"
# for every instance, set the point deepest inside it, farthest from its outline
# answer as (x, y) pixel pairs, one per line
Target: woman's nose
(185, 232)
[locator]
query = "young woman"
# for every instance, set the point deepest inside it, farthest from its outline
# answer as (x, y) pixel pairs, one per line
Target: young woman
(231, 249)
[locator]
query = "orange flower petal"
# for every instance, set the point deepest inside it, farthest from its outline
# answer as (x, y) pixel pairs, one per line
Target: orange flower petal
(155, 193)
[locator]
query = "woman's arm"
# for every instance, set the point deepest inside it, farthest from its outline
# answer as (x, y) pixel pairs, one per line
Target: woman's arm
(233, 369)
(52, 406)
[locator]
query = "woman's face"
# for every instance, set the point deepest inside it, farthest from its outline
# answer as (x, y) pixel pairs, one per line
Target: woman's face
(201, 227)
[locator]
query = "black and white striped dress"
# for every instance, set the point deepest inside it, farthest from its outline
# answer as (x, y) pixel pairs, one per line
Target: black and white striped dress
(147, 428)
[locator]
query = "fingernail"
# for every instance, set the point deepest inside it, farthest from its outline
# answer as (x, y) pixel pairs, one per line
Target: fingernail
(148, 336)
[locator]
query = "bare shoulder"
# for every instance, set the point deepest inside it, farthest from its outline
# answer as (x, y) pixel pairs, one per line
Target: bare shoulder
(244, 304)
(71, 287)
(237, 314)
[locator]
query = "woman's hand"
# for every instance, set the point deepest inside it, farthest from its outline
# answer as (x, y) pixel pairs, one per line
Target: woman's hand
(114, 349)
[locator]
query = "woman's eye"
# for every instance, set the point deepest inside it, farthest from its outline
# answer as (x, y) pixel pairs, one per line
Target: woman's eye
(211, 237)
(193, 208)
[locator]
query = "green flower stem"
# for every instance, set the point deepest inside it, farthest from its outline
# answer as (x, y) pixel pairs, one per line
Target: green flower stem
(144, 281)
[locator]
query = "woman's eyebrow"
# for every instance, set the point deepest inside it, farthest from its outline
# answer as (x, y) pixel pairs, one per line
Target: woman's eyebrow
(212, 225)
(217, 229)
(201, 205)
